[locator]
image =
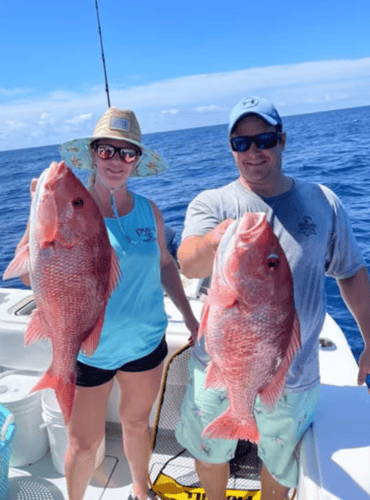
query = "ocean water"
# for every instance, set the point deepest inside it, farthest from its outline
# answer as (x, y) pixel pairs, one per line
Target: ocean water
(332, 148)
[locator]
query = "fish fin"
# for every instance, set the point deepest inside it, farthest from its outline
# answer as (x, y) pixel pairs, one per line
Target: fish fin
(19, 265)
(34, 331)
(89, 345)
(271, 393)
(203, 319)
(64, 390)
(213, 377)
(115, 272)
(223, 296)
(227, 427)
(48, 220)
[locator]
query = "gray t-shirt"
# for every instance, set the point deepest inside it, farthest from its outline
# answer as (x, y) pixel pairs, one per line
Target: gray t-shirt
(314, 231)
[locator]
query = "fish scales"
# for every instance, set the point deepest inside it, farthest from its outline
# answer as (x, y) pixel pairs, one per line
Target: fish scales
(73, 270)
(250, 325)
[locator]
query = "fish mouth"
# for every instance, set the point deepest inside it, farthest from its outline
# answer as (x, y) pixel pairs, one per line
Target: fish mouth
(253, 220)
(55, 172)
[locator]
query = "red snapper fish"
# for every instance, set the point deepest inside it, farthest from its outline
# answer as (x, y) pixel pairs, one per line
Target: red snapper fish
(250, 325)
(73, 270)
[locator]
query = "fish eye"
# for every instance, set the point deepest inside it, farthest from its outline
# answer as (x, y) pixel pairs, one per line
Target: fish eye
(78, 202)
(273, 261)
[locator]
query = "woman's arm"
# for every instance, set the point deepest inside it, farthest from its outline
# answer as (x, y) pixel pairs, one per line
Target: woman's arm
(171, 279)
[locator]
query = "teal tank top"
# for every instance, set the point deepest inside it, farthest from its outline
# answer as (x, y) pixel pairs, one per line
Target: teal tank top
(135, 319)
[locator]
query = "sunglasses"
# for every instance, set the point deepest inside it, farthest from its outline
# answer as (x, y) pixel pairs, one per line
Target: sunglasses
(266, 140)
(106, 152)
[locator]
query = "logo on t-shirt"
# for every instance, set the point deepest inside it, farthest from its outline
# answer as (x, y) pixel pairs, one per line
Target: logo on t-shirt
(307, 227)
(146, 233)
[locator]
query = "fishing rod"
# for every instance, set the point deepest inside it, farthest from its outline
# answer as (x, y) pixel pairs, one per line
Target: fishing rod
(102, 53)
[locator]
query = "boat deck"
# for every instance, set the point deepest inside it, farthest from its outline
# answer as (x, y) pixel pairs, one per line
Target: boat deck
(336, 450)
(41, 481)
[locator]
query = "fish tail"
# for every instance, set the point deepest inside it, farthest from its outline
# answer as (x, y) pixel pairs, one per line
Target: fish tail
(227, 427)
(64, 389)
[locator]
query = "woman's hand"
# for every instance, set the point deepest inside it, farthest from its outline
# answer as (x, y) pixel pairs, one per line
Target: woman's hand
(192, 324)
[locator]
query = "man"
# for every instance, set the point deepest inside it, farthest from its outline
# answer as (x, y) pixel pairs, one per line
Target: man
(315, 234)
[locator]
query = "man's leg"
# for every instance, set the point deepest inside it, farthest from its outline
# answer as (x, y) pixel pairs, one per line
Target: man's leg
(214, 478)
(270, 488)
(281, 433)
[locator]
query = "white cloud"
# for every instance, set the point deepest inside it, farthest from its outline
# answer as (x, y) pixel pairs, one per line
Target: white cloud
(14, 92)
(46, 119)
(80, 118)
(209, 109)
(13, 125)
(184, 102)
(169, 111)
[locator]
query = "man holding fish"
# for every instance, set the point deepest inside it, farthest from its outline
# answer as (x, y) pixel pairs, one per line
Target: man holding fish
(265, 307)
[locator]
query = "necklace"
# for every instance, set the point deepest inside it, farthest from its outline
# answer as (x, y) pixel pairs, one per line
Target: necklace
(114, 208)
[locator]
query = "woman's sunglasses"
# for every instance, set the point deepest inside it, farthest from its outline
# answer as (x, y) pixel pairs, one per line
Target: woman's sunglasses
(106, 152)
(266, 140)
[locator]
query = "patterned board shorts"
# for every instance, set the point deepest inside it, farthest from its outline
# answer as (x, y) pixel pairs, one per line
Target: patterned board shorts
(281, 430)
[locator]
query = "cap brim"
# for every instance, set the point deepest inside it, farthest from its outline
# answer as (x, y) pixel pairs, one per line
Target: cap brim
(77, 154)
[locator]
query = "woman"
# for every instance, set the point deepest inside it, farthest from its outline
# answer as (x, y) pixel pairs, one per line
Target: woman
(132, 346)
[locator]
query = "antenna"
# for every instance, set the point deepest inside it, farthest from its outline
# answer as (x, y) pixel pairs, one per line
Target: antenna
(102, 53)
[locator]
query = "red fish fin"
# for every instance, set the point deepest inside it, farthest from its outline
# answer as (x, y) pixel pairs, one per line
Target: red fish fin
(48, 219)
(89, 345)
(19, 265)
(34, 331)
(64, 390)
(271, 393)
(203, 319)
(115, 272)
(213, 377)
(223, 296)
(226, 427)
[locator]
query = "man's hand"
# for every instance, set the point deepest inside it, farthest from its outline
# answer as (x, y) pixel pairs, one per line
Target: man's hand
(364, 366)
(196, 253)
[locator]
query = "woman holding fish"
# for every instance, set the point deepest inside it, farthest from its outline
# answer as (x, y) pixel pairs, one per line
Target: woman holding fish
(79, 270)
(269, 241)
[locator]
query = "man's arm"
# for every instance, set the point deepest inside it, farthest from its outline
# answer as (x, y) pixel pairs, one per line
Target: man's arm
(196, 253)
(355, 292)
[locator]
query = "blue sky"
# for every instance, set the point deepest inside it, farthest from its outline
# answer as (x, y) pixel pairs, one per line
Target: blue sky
(176, 64)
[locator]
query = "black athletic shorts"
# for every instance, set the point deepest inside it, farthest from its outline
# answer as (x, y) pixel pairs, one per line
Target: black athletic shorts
(89, 376)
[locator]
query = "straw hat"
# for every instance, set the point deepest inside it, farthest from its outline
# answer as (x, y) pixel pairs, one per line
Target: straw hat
(120, 125)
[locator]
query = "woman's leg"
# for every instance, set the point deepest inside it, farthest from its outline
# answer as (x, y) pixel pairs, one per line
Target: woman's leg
(86, 429)
(138, 393)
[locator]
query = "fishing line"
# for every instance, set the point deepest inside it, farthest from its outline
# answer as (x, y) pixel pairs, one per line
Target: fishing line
(102, 53)
(111, 190)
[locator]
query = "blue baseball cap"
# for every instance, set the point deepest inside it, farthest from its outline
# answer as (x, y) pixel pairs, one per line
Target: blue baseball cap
(255, 106)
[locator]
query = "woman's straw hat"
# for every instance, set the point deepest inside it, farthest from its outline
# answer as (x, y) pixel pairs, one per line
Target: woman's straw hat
(120, 125)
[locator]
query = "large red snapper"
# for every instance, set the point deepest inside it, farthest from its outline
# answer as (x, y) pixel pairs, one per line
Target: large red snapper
(250, 325)
(73, 270)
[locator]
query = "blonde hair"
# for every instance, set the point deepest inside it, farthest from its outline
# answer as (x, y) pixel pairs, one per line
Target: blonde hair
(91, 179)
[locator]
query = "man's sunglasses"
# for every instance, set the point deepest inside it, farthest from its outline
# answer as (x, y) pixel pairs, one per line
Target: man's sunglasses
(267, 140)
(107, 151)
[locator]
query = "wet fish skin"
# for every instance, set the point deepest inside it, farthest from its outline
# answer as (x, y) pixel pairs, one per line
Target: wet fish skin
(73, 270)
(250, 325)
